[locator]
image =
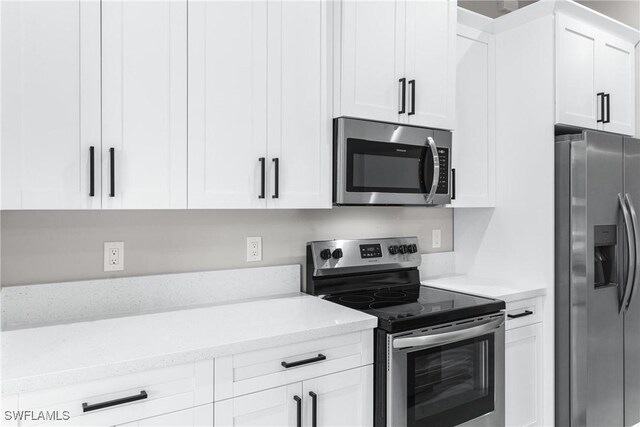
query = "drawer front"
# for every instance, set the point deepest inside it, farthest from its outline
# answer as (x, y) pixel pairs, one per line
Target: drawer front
(122, 399)
(523, 312)
(258, 370)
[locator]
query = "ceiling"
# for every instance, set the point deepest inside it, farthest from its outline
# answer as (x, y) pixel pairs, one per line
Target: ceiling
(625, 11)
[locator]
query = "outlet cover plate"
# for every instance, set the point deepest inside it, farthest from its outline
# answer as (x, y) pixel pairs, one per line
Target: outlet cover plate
(436, 238)
(254, 249)
(113, 256)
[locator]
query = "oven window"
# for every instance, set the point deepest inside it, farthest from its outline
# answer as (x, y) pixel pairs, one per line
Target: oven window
(386, 167)
(451, 384)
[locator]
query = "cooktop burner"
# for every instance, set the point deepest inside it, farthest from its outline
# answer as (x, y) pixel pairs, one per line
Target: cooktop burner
(415, 303)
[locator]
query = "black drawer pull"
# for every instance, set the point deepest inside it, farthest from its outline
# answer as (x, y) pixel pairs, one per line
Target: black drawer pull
(524, 313)
(276, 192)
(318, 358)
(86, 407)
(314, 409)
(298, 410)
(262, 172)
(112, 171)
(92, 184)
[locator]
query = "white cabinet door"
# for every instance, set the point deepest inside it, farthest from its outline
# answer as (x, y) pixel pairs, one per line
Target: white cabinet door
(227, 103)
(144, 104)
(577, 102)
(273, 407)
(299, 136)
(430, 62)
(523, 376)
(341, 399)
(198, 416)
(617, 78)
(474, 137)
(48, 77)
(372, 59)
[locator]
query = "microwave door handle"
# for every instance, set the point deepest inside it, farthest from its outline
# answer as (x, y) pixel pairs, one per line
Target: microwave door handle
(436, 170)
(634, 221)
(632, 252)
(447, 337)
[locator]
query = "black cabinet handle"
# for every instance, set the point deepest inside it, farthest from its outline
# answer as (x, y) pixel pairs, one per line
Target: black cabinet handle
(262, 176)
(314, 409)
(318, 358)
(86, 407)
(607, 96)
(524, 313)
(412, 107)
(112, 171)
(600, 96)
(276, 192)
(298, 410)
(92, 183)
(402, 87)
(453, 183)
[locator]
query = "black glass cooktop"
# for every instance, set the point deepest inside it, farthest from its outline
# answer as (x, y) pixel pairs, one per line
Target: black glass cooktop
(401, 308)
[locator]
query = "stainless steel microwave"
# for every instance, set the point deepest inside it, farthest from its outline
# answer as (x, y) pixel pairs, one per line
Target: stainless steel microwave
(377, 163)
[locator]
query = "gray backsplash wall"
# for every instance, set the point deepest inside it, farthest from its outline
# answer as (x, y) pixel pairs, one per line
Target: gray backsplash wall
(56, 246)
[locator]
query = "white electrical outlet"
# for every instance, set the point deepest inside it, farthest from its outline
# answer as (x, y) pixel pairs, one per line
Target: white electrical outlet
(113, 256)
(254, 249)
(436, 238)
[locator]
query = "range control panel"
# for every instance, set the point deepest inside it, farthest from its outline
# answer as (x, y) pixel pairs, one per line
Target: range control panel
(365, 254)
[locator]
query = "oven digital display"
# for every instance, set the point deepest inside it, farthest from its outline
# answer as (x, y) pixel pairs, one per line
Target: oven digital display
(371, 251)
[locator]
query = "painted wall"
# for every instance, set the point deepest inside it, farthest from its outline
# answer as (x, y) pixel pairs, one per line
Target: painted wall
(55, 246)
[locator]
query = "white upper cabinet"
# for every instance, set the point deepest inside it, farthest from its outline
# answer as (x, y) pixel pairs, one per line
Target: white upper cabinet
(616, 63)
(48, 77)
(397, 61)
(474, 137)
(227, 104)
(299, 137)
(259, 105)
(144, 104)
(430, 60)
(595, 83)
(372, 37)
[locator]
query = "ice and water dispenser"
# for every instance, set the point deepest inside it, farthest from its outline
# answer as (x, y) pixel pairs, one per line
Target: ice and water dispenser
(605, 270)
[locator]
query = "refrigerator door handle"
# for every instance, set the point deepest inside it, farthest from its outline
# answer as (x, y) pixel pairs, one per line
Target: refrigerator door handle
(634, 220)
(631, 244)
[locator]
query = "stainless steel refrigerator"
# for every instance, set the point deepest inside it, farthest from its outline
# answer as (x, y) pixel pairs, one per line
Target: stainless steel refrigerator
(597, 273)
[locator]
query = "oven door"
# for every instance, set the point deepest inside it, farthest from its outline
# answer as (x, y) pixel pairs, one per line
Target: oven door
(387, 164)
(447, 376)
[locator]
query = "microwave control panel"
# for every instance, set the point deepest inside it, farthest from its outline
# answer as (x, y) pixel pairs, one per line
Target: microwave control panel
(443, 179)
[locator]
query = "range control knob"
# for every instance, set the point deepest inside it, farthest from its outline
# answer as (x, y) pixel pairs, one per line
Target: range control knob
(402, 249)
(414, 248)
(393, 249)
(337, 254)
(325, 254)
(411, 249)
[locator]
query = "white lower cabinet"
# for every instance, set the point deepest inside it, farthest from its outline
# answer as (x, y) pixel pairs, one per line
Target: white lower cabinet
(325, 382)
(340, 399)
(273, 407)
(523, 366)
(196, 417)
(179, 395)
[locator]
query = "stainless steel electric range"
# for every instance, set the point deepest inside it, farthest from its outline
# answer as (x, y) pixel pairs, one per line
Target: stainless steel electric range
(439, 355)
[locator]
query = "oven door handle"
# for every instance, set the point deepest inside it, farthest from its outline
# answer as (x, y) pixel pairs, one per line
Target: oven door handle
(436, 170)
(447, 337)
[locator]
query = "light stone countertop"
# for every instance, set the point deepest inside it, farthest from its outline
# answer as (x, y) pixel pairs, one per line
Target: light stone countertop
(57, 355)
(502, 289)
